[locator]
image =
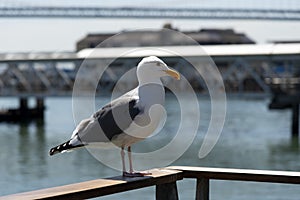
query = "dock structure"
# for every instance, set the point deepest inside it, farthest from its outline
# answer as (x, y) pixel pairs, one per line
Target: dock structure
(24, 113)
(286, 95)
(165, 181)
(245, 69)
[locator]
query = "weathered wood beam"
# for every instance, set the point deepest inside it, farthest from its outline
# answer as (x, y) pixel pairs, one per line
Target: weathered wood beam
(101, 187)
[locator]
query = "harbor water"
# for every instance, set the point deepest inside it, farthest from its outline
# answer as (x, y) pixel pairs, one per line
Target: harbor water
(253, 137)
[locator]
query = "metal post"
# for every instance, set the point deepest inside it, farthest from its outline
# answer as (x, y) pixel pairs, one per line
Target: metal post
(202, 189)
(167, 191)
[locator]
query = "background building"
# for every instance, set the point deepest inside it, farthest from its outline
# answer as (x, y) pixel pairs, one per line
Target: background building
(161, 38)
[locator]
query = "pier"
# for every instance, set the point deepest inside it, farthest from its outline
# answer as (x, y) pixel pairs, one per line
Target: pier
(24, 113)
(245, 69)
(286, 95)
(163, 179)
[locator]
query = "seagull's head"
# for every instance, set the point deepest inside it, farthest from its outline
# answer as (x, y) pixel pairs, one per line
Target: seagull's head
(152, 68)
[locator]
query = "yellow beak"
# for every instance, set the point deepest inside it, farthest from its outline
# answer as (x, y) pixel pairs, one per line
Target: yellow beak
(173, 73)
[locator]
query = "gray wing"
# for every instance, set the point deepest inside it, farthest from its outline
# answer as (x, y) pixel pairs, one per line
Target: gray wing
(117, 116)
(104, 125)
(110, 121)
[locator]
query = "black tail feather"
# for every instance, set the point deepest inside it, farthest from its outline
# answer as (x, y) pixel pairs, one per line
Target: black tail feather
(63, 147)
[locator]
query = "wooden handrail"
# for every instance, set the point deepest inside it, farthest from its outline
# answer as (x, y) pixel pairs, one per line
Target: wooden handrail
(164, 180)
(204, 174)
(289, 177)
(101, 187)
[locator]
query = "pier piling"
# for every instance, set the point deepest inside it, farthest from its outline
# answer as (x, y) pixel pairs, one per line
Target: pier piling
(295, 120)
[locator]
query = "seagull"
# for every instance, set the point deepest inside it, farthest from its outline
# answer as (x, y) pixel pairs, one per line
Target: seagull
(128, 119)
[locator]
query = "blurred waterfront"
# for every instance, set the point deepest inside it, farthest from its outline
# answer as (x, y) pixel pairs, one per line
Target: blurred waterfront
(253, 137)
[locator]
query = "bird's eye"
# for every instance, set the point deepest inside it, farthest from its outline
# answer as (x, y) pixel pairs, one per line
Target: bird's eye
(158, 64)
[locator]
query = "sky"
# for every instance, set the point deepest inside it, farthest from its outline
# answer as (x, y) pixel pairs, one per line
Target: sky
(27, 35)
(275, 4)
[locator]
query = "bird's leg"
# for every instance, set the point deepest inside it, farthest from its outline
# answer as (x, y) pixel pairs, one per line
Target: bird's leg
(131, 171)
(123, 160)
(130, 160)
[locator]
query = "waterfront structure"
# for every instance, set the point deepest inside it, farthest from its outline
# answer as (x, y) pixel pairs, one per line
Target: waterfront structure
(162, 38)
(244, 68)
(50, 11)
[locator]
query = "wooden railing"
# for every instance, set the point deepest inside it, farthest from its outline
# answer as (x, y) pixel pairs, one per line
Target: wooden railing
(164, 180)
(203, 175)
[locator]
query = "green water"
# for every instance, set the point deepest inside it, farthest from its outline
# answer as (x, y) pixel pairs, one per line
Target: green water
(253, 137)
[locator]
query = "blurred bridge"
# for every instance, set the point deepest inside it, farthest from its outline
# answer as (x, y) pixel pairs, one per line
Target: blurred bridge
(244, 68)
(134, 12)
